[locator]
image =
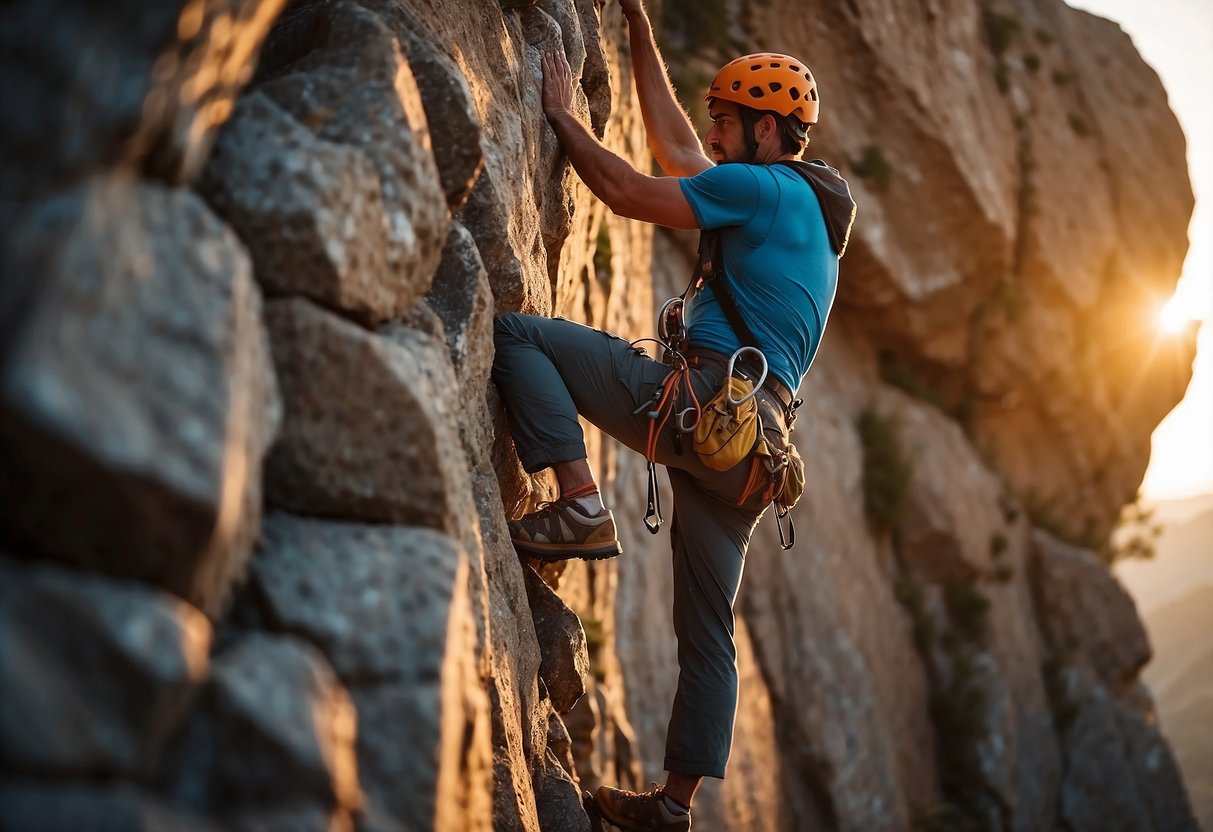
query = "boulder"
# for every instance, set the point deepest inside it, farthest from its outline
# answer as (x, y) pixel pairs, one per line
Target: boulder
(425, 734)
(86, 807)
(357, 89)
(273, 729)
(96, 672)
(565, 662)
(146, 83)
(461, 297)
(382, 602)
(559, 800)
(369, 430)
(136, 394)
(389, 607)
(310, 212)
(1119, 771)
(450, 110)
(1085, 613)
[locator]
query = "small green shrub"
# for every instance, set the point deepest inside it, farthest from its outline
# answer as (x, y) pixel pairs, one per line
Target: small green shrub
(1135, 536)
(886, 469)
(903, 378)
(872, 165)
(1079, 125)
(602, 251)
(958, 711)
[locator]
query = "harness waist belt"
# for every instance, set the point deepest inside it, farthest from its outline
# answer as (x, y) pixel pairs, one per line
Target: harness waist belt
(699, 357)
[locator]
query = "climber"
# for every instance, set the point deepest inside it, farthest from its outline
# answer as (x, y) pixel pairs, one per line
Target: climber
(780, 242)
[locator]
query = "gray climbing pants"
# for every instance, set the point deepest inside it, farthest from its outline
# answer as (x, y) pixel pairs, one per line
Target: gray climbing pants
(549, 370)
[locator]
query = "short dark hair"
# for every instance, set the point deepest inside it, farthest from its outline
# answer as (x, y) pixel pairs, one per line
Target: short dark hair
(793, 132)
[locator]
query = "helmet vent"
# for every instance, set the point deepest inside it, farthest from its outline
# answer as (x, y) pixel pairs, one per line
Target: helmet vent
(755, 92)
(755, 67)
(808, 77)
(736, 86)
(775, 86)
(813, 94)
(794, 68)
(795, 93)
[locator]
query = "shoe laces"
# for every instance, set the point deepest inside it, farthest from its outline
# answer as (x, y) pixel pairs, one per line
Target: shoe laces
(548, 506)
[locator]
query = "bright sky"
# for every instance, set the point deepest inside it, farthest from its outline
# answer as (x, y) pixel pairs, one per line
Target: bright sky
(1176, 38)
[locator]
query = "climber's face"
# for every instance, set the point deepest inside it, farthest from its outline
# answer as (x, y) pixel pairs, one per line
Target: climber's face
(724, 140)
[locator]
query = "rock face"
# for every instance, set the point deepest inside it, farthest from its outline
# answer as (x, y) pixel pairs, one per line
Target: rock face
(254, 567)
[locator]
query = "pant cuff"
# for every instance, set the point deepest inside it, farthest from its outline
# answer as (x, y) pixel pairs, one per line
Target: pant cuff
(540, 458)
(694, 769)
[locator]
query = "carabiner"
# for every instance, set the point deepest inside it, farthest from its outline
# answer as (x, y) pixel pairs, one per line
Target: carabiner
(681, 419)
(757, 384)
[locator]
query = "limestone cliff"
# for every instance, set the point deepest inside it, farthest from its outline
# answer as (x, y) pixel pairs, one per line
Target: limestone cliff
(255, 566)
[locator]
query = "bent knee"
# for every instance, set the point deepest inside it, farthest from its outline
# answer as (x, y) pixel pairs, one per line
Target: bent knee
(509, 325)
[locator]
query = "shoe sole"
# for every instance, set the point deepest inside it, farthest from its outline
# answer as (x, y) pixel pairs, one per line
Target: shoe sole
(568, 551)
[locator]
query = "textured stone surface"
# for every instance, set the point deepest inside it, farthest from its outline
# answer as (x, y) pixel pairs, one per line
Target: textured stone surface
(368, 432)
(1119, 771)
(357, 89)
(310, 212)
(462, 299)
(147, 83)
(95, 672)
(82, 807)
(389, 607)
(136, 394)
(1085, 613)
(378, 600)
(565, 663)
(449, 108)
(1007, 298)
(559, 800)
(273, 728)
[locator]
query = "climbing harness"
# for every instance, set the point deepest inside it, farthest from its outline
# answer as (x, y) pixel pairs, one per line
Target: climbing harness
(730, 427)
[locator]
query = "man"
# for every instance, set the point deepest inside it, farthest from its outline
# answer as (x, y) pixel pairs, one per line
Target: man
(783, 269)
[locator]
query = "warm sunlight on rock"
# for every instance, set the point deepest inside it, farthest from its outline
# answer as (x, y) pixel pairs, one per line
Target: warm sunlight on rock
(1174, 316)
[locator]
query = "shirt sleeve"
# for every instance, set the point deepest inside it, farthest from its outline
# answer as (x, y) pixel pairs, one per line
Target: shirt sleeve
(722, 196)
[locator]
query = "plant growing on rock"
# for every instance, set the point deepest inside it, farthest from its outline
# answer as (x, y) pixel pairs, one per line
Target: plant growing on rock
(873, 165)
(886, 469)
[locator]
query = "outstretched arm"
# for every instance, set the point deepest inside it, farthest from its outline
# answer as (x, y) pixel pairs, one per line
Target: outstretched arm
(672, 138)
(624, 189)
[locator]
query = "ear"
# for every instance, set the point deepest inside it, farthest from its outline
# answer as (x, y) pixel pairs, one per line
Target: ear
(766, 127)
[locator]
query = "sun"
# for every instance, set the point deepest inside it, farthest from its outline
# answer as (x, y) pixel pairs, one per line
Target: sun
(1174, 316)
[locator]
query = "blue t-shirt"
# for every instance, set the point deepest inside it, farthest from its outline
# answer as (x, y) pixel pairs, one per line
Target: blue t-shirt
(778, 258)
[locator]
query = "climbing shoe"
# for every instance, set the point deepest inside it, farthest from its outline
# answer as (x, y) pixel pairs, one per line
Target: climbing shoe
(648, 811)
(562, 530)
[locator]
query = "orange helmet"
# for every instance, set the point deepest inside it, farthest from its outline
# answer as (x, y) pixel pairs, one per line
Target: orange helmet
(768, 81)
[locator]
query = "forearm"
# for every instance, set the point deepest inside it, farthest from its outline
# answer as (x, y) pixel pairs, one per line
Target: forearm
(670, 132)
(605, 174)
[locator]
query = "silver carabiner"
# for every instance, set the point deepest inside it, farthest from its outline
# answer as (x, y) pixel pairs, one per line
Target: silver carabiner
(758, 384)
(682, 418)
(663, 317)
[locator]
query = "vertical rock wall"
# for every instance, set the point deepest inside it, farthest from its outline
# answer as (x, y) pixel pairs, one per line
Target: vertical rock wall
(244, 397)
(256, 572)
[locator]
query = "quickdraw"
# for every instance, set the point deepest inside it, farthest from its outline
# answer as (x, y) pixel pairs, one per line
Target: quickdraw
(659, 408)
